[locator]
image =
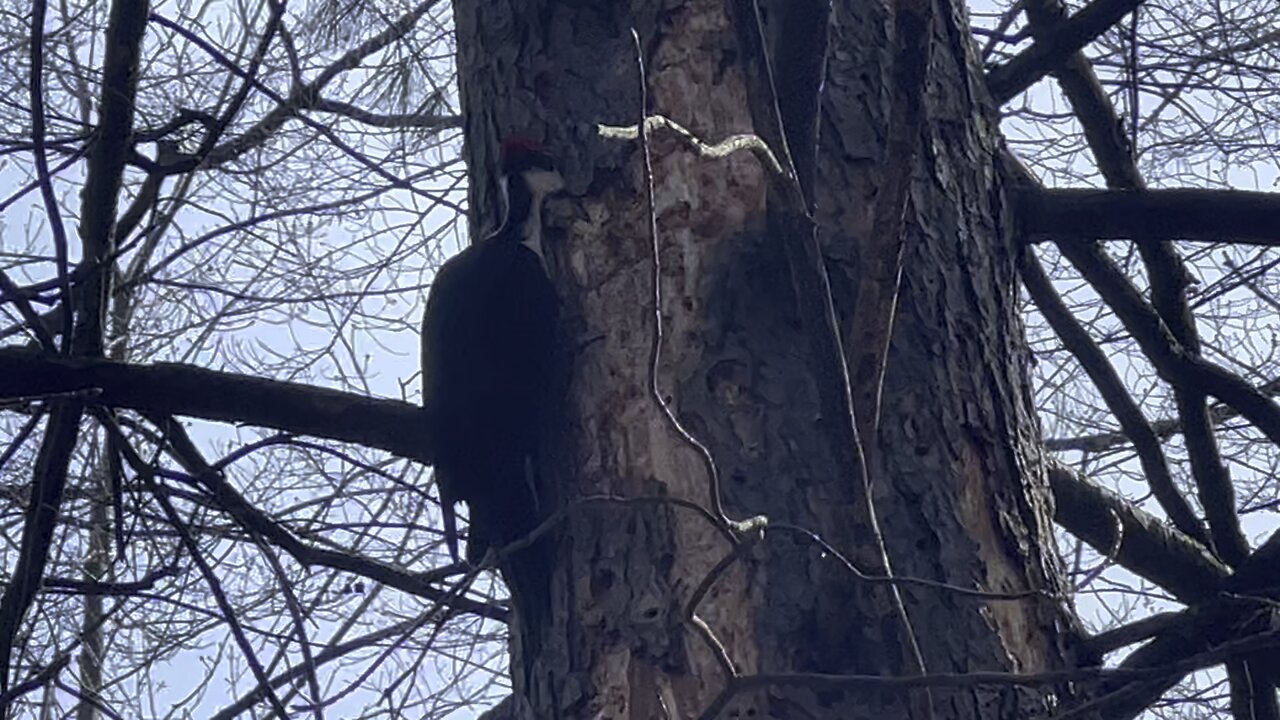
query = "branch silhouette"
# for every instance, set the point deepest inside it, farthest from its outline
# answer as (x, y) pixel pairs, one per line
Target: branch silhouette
(178, 389)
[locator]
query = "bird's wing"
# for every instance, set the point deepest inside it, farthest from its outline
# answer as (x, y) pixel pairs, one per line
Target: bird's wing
(444, 301)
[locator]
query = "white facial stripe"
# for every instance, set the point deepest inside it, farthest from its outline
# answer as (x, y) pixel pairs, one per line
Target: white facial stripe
(502, 195)
(544, 182)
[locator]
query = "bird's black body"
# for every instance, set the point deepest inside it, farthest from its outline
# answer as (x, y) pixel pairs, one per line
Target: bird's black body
(489, 335)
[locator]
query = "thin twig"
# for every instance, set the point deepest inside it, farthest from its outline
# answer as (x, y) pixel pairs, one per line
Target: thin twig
(884, 249)
(22, 191)
(31, 319)
(722, 565)
(254, 520)
(299, 624)
(827, 355)
(115, 589)
(655, 349)
(148, 476)
(333, 652)
(294, 107)
(444, 609)
(19, 438)
(38, 8)
(718, 650)
(35, 682)
(901, 580)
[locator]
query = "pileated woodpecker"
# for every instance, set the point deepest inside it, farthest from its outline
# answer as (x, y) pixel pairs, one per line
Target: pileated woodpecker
(488, 339)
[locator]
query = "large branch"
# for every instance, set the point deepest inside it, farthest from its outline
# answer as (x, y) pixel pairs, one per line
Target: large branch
(1224, 607)
(1138, 541)
(1247, 218)
(1164, 428)
(174, 389)
(1048, 53)
(1172, 361)
(1242, 612)
(1166, 274)
(1112, 389)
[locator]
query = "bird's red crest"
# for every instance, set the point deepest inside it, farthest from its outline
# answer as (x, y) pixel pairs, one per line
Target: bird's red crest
(520, 153)
(516, 146)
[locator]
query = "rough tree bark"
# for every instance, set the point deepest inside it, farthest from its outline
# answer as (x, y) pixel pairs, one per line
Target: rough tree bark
(959, 482)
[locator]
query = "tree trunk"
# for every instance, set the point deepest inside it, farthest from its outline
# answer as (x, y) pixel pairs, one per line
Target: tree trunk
(959, 486)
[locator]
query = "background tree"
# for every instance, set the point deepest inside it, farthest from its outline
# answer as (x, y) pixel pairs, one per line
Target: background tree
(190, 180)
(274, 219)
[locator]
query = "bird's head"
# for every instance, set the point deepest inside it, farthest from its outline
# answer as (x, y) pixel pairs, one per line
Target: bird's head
(529, 160)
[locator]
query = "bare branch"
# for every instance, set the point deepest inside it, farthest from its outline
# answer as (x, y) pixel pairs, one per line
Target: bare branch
(1149, 548)
(174, 389)
(1048, 53)
(1232, 216)
(1114, 394)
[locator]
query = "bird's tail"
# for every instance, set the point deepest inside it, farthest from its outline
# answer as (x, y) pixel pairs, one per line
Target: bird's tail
(510, 517)
(446, 486)
(527, 573)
